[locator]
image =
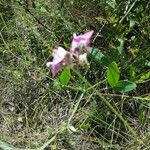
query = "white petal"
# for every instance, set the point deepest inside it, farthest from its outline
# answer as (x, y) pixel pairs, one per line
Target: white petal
(48, 64)
(83, 59)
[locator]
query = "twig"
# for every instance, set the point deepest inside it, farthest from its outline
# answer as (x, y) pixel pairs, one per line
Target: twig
(99, 32)
(74, 110)
(128, 11)
(126, 96)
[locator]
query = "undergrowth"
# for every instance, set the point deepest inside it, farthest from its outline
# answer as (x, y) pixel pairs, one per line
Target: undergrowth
(39, 111)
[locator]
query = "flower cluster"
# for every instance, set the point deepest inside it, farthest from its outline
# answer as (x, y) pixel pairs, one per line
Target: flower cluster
(78, 51)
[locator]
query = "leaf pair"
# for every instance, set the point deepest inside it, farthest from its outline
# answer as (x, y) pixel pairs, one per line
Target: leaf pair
(113, 76)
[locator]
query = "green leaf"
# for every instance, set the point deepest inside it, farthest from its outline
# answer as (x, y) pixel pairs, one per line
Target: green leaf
(65, 76)
(121, 46)
(111, 3)
(132, 73)
(85, 126)
(141, 113)
(132, 23)
(42, 9)
(6, 146)
(124, 86)
(147, 63)
(57, 84)
(145, 76)
(95, 55)
(113, 74)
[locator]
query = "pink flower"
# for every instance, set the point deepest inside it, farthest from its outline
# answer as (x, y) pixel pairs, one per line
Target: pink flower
(60, 58)
(81, 41)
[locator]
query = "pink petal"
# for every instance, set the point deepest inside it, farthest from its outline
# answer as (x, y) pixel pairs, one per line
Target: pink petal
(83, 39)
(60, 58)
(59, 54)
(55, 68)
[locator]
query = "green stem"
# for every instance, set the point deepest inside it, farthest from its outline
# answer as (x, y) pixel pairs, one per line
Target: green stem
(73, 88)
(75, 109)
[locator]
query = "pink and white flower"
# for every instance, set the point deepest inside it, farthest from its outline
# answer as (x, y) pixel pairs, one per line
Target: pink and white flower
(60, 58)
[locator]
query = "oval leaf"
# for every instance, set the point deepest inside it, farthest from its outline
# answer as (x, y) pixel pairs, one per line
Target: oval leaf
(124, 86)
(65, 76)
(121, 46)
(113, 74)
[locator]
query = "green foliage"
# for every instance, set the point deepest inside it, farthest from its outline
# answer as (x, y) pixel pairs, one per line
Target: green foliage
(65, 76)
(121, 46)
(95, 55)
(5, 146)
(98, 117)
(144, 77)
(111, 3)
(113, 74)
(124, 86)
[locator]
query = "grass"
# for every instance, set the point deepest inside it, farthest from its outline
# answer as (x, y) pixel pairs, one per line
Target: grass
(38, 112)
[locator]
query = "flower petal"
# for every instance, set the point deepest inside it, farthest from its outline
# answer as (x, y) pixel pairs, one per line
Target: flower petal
(60, 58)
(55, 68)
(59, 54)
(83, 59)
(83, 39)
